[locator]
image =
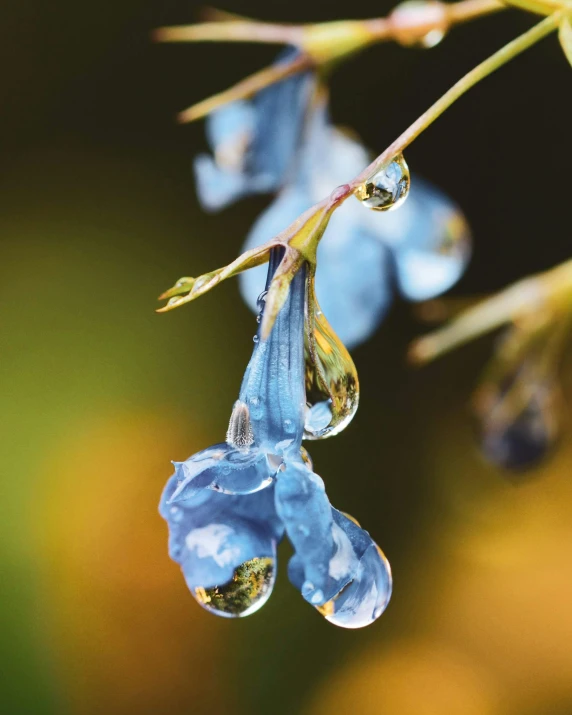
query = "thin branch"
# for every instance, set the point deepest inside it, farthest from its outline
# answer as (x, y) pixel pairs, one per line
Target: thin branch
(246, 88)
(490, 65)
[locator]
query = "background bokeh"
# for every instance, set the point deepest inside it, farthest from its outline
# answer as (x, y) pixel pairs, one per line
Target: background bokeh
(98, 392)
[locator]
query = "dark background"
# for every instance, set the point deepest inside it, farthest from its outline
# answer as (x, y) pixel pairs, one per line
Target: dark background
(98, 393)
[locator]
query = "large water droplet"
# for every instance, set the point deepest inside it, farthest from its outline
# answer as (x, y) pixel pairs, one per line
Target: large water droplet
(245, 594)
(332, 386)
(413, 13)
(388, 188)
(365, 597)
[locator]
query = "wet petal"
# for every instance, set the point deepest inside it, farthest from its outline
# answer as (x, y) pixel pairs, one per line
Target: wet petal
(337, 566)
(430, 240)
(273, 384)
(353, 268)
(222, 468)
(366, 595)
(303, 506)
(254, 142)
(226, 546)
(352, 280)
(288, 205)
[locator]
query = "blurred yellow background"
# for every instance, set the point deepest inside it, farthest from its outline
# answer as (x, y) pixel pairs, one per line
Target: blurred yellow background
(99, 393)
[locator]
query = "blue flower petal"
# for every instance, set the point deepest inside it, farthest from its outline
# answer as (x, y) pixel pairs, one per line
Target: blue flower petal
(352, 283)
(288, 205)
(366, 595)
(303, 506)
(254, 143)
(337, 566)
(233, 124)
(430, 240)
(352, 277)
(218, 188)
(212, 534)
(273, 384)
(224, 469)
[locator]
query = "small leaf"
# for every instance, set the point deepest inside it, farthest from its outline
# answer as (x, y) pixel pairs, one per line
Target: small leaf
(565, 37)
(187, 289)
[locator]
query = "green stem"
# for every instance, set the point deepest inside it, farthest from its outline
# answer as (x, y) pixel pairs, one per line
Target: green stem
(504, 55)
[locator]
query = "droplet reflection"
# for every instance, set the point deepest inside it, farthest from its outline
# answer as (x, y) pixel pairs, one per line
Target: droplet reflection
(388, 188)
(365, 597)
(332, 386)
(245, 594)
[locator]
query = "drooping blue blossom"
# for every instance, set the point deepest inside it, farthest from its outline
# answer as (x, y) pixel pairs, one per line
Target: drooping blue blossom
(254, 142)
(423, 246)
(228, 506)
(517, 407)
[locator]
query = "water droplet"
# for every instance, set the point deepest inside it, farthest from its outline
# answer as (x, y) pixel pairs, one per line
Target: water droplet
(245, 594)
(239, 433)
(318, 417)
(408, 16)
(175, 514)
(261, 301)
(289, 426)
(332, 386)
(255, 339)
(256, 407)
(388, 188)
(362, 600)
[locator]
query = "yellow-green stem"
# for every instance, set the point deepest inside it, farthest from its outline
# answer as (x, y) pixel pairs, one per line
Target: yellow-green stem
(504, 55)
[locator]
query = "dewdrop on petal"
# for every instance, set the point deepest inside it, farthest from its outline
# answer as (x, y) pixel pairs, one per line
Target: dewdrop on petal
(247, 591)
(387, 188)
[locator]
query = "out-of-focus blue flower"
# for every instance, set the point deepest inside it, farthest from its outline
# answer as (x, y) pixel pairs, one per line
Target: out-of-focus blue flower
(228, 506)
(517, 405)
(424, 245)
(254, 142)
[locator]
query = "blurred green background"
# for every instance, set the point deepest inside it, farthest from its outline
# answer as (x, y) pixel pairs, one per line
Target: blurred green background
(99, 393)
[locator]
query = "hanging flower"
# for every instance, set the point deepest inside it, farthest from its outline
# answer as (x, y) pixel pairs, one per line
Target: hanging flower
(254, 142)
(228, 506)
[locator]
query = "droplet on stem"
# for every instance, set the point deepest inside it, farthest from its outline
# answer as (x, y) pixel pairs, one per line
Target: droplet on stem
(387, 188)
(409, 16)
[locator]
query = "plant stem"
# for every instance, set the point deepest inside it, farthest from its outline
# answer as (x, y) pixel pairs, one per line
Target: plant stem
(504, 55)
(380, 29)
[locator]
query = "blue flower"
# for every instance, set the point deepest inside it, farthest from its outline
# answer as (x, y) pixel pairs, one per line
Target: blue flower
(254, 142)
(424, 245)
(228, 506)
(517, 405)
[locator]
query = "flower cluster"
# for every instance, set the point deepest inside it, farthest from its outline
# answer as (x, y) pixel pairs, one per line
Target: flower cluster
(228, 506)
(423, 248)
